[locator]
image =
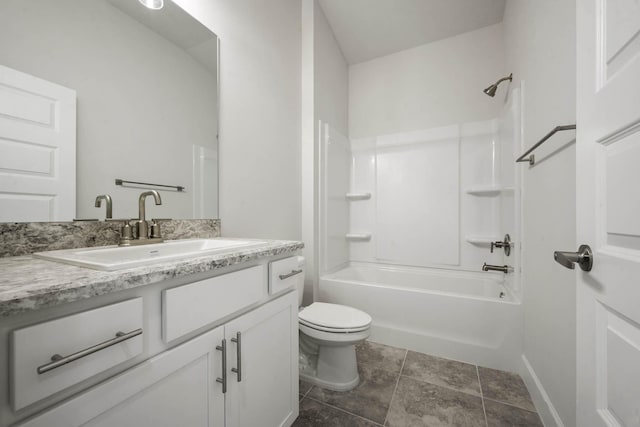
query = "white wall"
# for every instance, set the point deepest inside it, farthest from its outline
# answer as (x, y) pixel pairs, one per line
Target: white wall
(540, 46)
(260, 72)
(324, 100)
(331, 76)
(432, 85)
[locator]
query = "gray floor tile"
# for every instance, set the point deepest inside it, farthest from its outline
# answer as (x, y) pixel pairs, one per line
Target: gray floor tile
(505, 387)
(418, 403)
(501, 415)
(316, 414)
(436, 370)
(379, 367)
(304, 387)
(380, 356)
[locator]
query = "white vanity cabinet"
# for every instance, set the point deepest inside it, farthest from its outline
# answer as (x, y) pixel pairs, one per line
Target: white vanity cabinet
(263, 386)
(176, 388)
(188, 382)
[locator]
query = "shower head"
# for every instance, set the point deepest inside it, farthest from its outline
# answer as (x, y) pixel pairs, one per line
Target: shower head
(491, 90)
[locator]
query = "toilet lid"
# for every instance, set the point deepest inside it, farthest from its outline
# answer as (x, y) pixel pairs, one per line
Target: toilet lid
(334, 317)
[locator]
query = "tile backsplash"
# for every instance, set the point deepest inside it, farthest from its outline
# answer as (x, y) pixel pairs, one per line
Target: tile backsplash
(24, 238)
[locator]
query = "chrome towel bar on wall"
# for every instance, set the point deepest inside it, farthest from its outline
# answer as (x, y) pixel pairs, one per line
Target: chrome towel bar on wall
(178, 188)
(531, 158)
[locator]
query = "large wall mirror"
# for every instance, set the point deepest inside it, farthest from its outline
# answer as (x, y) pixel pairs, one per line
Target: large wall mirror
(146, 109)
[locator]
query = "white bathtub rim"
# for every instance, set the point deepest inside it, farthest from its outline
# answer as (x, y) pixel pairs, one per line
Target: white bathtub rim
(510, 299)
(431, 271)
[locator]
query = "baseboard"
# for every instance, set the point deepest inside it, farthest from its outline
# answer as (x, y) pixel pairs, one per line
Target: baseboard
(545, 408)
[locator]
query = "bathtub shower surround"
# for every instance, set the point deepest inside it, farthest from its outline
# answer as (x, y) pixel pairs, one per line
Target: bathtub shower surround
(23, 238)
(406, 224)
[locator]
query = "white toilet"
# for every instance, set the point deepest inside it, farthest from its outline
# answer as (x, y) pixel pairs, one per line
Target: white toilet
(328, 337)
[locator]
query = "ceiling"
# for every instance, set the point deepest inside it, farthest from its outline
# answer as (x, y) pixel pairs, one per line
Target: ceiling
(367, 29)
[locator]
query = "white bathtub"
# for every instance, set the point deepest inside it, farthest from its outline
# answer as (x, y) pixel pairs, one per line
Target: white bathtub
(464, 316)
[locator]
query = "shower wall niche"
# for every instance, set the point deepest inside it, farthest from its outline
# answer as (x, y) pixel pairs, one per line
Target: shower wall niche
(433, 198)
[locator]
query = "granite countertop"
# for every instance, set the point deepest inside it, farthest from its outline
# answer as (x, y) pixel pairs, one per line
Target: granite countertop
(28, 283)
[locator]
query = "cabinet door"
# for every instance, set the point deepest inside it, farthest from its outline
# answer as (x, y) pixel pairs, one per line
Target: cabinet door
(266, 394)
(175, 388)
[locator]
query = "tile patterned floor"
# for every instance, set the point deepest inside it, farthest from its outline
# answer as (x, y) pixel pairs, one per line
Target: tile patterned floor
(401, 388)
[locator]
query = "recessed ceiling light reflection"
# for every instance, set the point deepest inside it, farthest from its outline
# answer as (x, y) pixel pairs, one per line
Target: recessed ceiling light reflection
(153, 4)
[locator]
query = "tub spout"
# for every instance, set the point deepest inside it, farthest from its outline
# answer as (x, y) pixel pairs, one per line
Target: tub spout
(488, 267)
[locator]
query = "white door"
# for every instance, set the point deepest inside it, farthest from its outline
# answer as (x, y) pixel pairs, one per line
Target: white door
(176, 388)
(263, 380)
(37, 149)
(608, 206)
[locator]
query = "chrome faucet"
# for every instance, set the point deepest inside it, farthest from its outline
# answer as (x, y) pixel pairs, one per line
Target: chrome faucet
(106, 198)
(142, 226)
(143, 236)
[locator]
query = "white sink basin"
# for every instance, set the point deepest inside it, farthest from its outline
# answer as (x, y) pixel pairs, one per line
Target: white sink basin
(110, 258)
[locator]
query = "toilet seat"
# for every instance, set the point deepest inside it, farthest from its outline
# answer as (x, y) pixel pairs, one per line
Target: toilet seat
(334, 318)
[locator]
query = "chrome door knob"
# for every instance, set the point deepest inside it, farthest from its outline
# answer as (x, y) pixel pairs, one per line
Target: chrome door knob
(584, 258)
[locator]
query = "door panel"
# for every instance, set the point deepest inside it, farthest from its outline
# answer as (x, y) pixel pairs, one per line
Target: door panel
(608, 206)
(267, 394)
(37, 149)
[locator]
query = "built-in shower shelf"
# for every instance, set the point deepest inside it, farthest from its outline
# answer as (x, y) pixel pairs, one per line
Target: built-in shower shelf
(358, 196)
(482, 240)
(487, 190)
(358, 237)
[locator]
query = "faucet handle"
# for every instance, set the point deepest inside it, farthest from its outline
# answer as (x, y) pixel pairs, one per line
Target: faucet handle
(126, 233)
(155, 230)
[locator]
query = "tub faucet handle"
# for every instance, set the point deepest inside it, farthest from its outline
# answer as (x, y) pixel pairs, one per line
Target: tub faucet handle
(503, 244)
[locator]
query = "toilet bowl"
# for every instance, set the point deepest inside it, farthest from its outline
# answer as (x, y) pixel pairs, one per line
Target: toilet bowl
(328, 337)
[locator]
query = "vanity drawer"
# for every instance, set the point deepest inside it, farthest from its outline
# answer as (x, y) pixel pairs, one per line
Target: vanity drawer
(88, 342)
(285, 273)
(190, 307)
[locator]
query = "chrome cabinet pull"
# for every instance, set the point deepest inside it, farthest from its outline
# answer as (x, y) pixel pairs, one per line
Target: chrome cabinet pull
(584, 258)
(293, 273)
(58, 360)
(238, 341)
(223, 380)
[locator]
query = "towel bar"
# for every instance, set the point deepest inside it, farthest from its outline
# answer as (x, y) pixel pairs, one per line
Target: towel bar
(531, 158)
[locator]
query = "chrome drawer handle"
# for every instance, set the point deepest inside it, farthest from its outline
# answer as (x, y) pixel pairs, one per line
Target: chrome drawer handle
(293, 273)
(223, 380)
(58, 360)
(238, 341)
